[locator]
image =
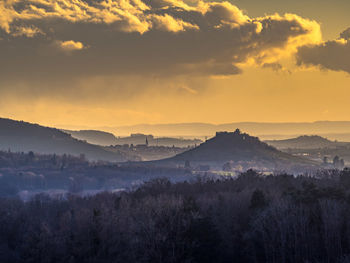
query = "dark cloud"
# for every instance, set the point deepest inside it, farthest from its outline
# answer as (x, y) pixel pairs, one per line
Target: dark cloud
(332, 55)
(345, 34)
(273, 66)
(132, 37)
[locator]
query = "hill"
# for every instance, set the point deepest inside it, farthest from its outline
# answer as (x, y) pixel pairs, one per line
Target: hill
(239, 149)
(94, 136)
(19, 136)
(304, 142)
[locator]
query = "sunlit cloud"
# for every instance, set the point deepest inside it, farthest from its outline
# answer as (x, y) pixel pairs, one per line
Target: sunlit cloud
(69, 46)
(170, 24)
(30, 31)
(331, 55)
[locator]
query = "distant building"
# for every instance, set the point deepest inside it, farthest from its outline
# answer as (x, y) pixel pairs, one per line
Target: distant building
(236, 132)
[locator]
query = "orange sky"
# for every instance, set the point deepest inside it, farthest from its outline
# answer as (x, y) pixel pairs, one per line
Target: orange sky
(127, 62)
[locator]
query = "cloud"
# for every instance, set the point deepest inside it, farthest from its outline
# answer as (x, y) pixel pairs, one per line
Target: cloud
(273, 66)
(69, 46)
(30, 31)
(276, 67)
(122, 39)
(332, 55)
(127, 14)
(211, 36)
(170, 24)
(345, 34)
(185, 88)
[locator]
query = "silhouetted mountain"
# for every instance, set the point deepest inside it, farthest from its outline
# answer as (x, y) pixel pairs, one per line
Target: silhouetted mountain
(304, 142)
(239, 149)
(19, 136)
(94, 137)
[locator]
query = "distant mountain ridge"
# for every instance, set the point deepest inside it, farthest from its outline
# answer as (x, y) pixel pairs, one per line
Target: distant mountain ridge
(255, 128)
(20, 136)
(305, 142)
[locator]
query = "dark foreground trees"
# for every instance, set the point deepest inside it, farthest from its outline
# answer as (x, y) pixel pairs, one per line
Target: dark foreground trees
(253, 218)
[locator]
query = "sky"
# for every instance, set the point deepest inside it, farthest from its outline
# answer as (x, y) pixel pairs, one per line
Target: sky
(93, 63)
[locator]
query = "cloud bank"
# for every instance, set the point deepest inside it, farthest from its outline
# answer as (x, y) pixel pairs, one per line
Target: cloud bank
(332, 55)
(161, 37)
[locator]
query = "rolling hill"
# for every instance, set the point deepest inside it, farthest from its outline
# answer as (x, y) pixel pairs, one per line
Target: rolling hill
(94, 137)
(239, 149)
(305, 142)
(19, 136)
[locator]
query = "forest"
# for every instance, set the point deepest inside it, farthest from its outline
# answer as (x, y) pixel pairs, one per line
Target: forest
(251, 218)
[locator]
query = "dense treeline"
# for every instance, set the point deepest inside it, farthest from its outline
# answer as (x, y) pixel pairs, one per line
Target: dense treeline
(253, 218)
